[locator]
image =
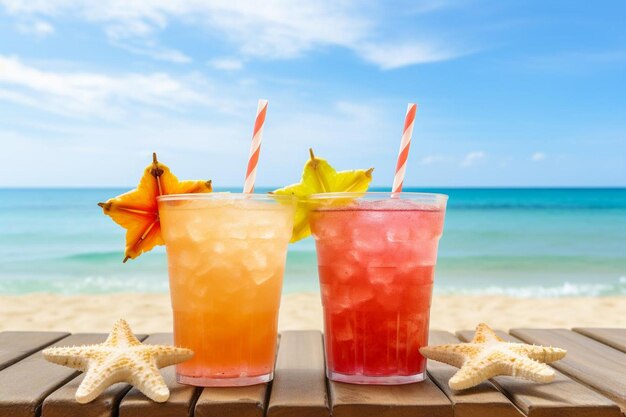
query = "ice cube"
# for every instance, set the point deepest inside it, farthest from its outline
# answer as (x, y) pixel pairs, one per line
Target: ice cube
(360, 294)
(330, 232)
(344, 271)
(237, 247)
(336, 296)
(219, 248)
(265, 232)
(185, 259)
(232, 281)
(254, 260)
(381, 276)
(237, 233)
(208, 265)
(372, 253)
(195, 231)
(201, 292)
(420, 252)
(326, 292)
(261, 276)
(400, 234)
(343, 329)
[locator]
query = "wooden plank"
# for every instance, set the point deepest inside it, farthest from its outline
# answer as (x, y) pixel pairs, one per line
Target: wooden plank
(18, 345)
(616, 338)
(299, 386)
(62, 402)
(421, 399)
(232, 401)
(592, 363)
(26, 383)
(484, 400)
(562, 397)
(182, 397)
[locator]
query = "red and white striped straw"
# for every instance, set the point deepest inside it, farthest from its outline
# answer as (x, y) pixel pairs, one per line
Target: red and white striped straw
(255, 147)
(405, 144)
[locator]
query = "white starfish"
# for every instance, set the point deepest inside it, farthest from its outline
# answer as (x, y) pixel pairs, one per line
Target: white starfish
(121, 358)
(487, 356)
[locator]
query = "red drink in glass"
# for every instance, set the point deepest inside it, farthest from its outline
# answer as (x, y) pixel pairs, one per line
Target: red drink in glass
(376, 258)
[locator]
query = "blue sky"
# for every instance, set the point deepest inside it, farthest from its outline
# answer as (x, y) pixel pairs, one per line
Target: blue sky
(511, 93)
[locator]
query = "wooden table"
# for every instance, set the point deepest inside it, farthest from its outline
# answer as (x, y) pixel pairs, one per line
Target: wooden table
(591, 381)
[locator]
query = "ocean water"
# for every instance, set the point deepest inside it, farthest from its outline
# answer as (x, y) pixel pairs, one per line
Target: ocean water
(520, 242)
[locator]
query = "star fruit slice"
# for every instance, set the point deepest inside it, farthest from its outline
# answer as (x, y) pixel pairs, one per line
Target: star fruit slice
(319, 176)
(137, 211)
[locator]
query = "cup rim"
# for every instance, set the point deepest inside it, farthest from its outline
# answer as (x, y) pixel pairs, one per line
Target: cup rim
(382, 195)
(226, 195)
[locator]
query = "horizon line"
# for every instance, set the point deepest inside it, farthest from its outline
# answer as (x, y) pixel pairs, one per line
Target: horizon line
(380, 188)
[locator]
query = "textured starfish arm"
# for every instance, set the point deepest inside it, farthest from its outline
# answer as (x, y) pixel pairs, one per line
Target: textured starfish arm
(122, 335)
(451, 354)
(151, 383)
(76, 357)
(529, 369)
(96, 380)
(169, 355)
(484, 334)
(473, 373)
(540, 353)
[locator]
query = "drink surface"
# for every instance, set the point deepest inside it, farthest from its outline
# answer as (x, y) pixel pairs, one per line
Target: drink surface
(376, 265)
(226, 261)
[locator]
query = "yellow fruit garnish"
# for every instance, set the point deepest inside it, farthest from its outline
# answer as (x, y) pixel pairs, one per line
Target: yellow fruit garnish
(137, 211)
(319, 177)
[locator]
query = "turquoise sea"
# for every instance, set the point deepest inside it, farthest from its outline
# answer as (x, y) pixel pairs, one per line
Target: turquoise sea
(521, 242)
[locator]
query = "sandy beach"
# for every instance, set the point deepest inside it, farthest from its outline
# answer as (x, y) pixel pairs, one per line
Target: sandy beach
(149, 313)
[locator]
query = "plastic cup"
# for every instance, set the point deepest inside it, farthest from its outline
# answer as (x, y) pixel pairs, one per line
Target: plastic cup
(376, 254)
(226, 258)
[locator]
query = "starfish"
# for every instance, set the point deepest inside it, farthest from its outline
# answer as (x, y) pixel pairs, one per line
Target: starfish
(487, 356)
(121, 358)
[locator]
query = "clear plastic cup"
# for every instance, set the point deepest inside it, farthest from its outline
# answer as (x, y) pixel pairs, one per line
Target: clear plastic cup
(226, 257)
(376, 254)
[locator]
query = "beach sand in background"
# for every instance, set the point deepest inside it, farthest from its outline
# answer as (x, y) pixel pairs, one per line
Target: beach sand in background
(148, 313)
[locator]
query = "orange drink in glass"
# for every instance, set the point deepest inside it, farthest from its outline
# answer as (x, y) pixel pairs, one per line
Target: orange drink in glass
(226, 257)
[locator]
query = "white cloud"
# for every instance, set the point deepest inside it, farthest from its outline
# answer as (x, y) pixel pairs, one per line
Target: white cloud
(98, 94)
(211, 146)
(154, 51)
(226, 64)
(396, 55)
(538, 156)
(431, 159)
(36, 27)
(280, 29)
(356, 110)
(472, 158)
